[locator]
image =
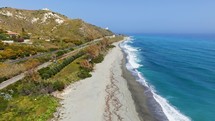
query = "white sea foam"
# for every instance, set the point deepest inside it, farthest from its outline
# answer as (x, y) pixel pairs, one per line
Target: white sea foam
(131, 54)
(170, 111)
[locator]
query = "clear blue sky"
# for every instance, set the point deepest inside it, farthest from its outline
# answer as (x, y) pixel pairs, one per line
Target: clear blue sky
(133, 16)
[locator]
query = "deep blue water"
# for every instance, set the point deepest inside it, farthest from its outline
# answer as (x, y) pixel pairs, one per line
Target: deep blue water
(181, 69)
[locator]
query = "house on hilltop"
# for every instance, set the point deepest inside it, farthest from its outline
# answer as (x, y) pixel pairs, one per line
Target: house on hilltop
(12, 34)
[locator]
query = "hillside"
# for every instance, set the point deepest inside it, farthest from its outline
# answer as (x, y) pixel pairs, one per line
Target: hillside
(41, 53)
(45, 24)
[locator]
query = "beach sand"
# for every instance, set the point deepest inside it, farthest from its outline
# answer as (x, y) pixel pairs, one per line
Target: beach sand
(103, 97)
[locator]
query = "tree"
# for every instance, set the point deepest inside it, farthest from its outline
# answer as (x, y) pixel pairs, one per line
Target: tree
(93, 51)
(24, 34)
(2, 45)
(86, 65)
(2, 31)
(104, 43)
(4, 36)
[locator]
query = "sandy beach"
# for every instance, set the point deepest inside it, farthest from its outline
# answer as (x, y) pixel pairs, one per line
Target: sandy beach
(103, 97)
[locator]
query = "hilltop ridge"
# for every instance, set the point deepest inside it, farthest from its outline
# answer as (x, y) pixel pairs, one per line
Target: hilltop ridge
(46, 24)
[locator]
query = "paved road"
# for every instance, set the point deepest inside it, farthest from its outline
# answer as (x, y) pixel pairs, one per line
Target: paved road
(53, 52)
(22, 75)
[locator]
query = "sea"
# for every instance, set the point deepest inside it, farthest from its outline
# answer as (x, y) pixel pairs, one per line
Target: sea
(178, 70)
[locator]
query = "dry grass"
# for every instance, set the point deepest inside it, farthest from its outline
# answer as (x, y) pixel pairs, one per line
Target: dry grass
(9, 70)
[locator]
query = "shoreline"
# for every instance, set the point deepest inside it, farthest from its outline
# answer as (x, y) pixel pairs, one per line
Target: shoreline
(103, 97)
(138, 95)
(145, 104)
(112, 93)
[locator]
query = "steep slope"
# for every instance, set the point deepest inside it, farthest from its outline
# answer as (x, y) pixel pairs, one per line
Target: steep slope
(45, 24)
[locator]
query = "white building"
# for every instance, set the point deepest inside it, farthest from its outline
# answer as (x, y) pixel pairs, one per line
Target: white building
(8, 41)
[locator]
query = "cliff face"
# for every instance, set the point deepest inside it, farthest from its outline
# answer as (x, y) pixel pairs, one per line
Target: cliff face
(49, 25)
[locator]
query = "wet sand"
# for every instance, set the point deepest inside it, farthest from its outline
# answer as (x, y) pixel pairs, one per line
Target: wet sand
(138, 95)
(145, 104)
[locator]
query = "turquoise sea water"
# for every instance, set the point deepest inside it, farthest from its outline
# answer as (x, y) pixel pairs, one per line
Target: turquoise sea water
(179, 70)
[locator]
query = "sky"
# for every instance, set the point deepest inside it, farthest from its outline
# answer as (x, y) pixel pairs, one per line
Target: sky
(133, 16)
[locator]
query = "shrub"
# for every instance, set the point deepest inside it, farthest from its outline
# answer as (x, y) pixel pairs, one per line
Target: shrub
(44, 58)
(86, 65)
(71, 49)
(59, 53)
(52, 49)
(77, 42)
(3, 105)
(58, 85)
(2, 46)
(4, 36)
(84, 74)
(47, 72)
(3, 79)
(98, 59)
(43, 70)
(111, 46)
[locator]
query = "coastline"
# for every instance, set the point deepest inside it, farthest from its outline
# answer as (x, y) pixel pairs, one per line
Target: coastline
(103, 97)
(146, 106)
(137, 91)
(147, 102)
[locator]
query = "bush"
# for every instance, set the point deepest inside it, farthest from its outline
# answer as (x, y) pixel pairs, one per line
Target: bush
(47, 72)
(26, 37)
(58, 85)
(52, 49)
(111, 46)
(78, 42)
(59, 53)
(43, 58)
(3, 79)
(4, 36)
(3, 105)
(98, 59)
(86, 65)
(71, 49)
(84, 74)
(43, 70)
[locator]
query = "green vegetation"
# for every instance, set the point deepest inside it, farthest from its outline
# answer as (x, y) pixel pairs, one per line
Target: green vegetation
(27, 100)
(71, 31)
(69, 73)
(31, 98)
(98, 59)
(58, 85)
(45, 36)
(14, 51)
(28, 108)
(84, 74)
(48, 72)
(4, 36)
(8, 70)
(61, 52)
(111, 46)
(3, 79)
